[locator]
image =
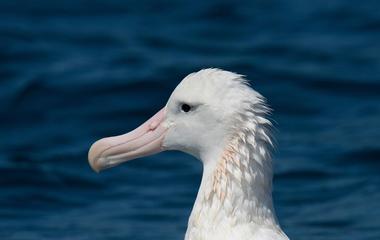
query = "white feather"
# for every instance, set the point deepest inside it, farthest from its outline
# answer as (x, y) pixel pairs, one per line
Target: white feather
(230, 133)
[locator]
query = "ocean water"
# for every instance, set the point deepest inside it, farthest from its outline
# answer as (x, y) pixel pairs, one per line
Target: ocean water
(72, 72)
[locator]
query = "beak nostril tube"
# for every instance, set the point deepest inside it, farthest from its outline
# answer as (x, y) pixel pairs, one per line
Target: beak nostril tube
(153, 125)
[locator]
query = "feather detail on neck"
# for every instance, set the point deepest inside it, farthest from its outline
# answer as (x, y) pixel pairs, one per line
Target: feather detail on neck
(238, 191)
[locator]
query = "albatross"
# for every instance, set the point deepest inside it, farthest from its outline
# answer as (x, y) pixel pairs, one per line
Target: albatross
(215, 116)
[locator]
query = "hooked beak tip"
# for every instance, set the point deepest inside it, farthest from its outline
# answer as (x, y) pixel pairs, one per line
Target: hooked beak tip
(94, 156)
(94, 166)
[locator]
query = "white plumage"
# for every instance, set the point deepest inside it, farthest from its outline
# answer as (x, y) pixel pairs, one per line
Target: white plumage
(226, 128)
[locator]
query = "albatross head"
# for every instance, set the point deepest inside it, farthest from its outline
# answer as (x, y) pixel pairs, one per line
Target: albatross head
(215, 116)
(201, 117)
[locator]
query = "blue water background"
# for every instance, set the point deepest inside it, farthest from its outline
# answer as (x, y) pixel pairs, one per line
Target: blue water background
(74, 71)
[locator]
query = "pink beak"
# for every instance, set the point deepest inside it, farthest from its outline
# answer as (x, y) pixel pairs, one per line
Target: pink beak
(143, 141)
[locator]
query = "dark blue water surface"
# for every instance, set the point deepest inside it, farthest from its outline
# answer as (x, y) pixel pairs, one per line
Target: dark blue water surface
(77, 70)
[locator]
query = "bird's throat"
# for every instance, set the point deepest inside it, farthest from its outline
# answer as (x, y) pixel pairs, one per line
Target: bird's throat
(235, 189)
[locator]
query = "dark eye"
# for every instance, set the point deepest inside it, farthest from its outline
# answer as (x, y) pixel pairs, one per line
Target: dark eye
(185, 107)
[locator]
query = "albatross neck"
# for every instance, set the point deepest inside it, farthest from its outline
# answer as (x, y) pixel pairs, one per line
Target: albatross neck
(236, 187)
